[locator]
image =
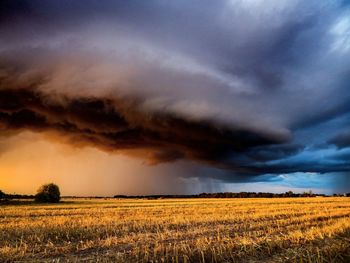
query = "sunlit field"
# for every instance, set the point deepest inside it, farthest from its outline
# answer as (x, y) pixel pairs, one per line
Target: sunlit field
(177, 230)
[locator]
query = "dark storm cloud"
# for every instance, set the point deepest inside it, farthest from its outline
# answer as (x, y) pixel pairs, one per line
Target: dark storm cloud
(249, 86)
(118, 124)
(342, 156)
(274, 152)
(341, 140)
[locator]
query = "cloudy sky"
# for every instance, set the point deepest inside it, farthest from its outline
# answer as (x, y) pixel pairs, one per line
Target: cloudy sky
(156, 97)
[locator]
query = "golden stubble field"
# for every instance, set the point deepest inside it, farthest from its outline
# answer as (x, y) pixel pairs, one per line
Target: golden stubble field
(177, 230)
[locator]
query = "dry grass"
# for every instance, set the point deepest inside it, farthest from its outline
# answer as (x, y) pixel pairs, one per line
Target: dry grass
(178, 230)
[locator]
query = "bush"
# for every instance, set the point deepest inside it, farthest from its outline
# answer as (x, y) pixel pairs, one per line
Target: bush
(48, 193)
(2, 195)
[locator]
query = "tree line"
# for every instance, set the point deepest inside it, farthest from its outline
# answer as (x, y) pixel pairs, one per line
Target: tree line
(233, 195)
(50, 193)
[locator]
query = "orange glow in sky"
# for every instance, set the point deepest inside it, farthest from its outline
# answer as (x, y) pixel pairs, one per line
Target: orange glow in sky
(32, 160)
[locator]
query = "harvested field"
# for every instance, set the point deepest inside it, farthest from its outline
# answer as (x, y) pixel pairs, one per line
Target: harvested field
(177, 230)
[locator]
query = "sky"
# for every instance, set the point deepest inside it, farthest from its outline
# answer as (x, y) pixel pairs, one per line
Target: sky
(175, 97)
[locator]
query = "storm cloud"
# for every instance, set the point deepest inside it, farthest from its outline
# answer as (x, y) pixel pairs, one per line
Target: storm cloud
(113, 125)
(254, 89)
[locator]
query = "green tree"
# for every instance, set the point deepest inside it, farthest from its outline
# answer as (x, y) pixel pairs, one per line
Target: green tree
(48, 193)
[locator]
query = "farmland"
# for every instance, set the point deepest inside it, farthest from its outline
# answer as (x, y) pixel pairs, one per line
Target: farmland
(177, 230)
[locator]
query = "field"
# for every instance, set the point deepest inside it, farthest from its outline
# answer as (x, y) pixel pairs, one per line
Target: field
(177, 230)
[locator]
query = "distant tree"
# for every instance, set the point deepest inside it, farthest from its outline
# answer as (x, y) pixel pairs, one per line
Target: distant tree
(48, 193)
(311, 193)
(2, 195)
(243, 194)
